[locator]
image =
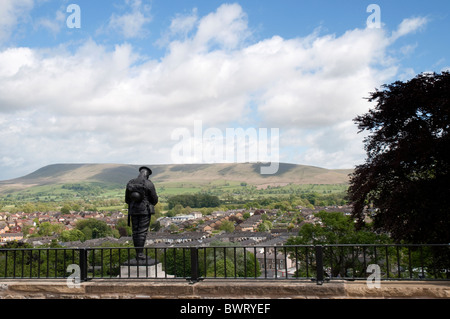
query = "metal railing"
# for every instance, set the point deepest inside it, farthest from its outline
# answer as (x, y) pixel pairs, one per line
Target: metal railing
(300, 262)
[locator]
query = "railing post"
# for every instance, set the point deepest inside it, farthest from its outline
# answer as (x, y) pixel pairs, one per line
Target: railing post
(194, 265)
(83, 264)
(319, 264)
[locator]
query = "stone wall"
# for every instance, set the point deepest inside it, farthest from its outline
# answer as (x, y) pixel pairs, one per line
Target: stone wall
(229, 289)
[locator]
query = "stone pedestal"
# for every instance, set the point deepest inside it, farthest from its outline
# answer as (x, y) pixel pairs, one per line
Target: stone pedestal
(149, 268)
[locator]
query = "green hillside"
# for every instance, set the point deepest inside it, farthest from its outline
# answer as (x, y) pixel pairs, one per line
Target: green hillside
(95, 179)
(121, 173)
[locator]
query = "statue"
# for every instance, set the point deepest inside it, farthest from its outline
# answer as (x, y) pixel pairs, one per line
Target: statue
(140, 195)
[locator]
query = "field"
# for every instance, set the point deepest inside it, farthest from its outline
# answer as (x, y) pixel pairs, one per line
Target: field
(102, 186)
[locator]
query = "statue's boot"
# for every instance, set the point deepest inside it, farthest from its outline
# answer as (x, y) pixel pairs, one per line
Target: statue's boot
(139, 243)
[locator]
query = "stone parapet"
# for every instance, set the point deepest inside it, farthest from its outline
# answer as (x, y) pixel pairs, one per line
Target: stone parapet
(396, 289)
(220, 289)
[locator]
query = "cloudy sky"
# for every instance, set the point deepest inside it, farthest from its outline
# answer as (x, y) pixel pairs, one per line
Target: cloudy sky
(133, 81)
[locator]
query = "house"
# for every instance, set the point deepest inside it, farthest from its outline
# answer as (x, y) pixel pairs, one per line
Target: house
(218, 213)
(164, 221)
(16, 229)
(247, 238)
(39, 241)
(196, 215)
(205, 228)
(274, 264)
(117, 215)
(182, 218)
(172, 239)
(4, 228)
(10, 237)
(250, 224)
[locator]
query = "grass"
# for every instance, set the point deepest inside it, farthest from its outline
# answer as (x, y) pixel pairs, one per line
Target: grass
(111, 208)
(224, 189)
(108, 180)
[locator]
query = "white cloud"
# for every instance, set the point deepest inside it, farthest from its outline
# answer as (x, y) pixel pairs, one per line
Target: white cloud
(182, 24)
(11, 13)
(100, 105)
(408, 26)
(180, 27)
(227, 27)
(55, 24)
(131, 24)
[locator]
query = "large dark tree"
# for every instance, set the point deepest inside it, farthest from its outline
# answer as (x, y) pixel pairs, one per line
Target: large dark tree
(405, 177)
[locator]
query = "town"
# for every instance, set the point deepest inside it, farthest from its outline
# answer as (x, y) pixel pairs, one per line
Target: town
(249, 228)
(246, 226)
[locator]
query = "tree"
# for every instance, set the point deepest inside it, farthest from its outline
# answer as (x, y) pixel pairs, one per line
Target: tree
(227, 226)
(334, 228)
(72, 235)
(28, 208)
(123, 228)
(93, 228)
(265, 226)
(226, 260)
(110, 260)
(49, 229)
(223, 261)
(193, 200)
(178, 209)
(406, 173)
(65, 209)
(34, 263)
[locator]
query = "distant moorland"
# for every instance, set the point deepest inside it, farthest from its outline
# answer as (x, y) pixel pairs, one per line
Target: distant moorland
(240, 182)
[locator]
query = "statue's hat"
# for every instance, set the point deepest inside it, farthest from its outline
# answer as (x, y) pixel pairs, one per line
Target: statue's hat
(148, 169)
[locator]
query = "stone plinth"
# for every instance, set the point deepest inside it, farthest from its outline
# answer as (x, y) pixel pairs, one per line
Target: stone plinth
(142, 268)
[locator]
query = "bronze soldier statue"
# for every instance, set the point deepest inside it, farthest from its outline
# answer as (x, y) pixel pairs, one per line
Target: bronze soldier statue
(140, 195)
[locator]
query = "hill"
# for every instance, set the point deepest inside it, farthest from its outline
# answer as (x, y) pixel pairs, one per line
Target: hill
(117, 175)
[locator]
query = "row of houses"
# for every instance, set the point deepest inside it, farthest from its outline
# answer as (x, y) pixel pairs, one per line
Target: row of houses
(18, 225)
(5, 237)
(212, 222)
(12, 225)
(168, 240)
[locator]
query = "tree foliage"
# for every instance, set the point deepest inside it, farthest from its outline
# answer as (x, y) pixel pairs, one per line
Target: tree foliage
(406, 173)
(224, 260)
(227, 226)
(193, 200)
(72, 235)
(93, 228)
(334, 228)
(50, 229)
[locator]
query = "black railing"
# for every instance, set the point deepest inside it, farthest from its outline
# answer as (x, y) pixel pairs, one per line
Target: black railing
(306, 262)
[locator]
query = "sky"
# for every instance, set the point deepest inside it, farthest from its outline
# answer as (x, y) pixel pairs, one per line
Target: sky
(161, 82)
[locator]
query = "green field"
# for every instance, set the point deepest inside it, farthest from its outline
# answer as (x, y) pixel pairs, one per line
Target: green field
(102, 186)
(101, 197)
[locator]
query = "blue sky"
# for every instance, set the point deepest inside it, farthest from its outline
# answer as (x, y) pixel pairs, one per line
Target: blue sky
(129, 85)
